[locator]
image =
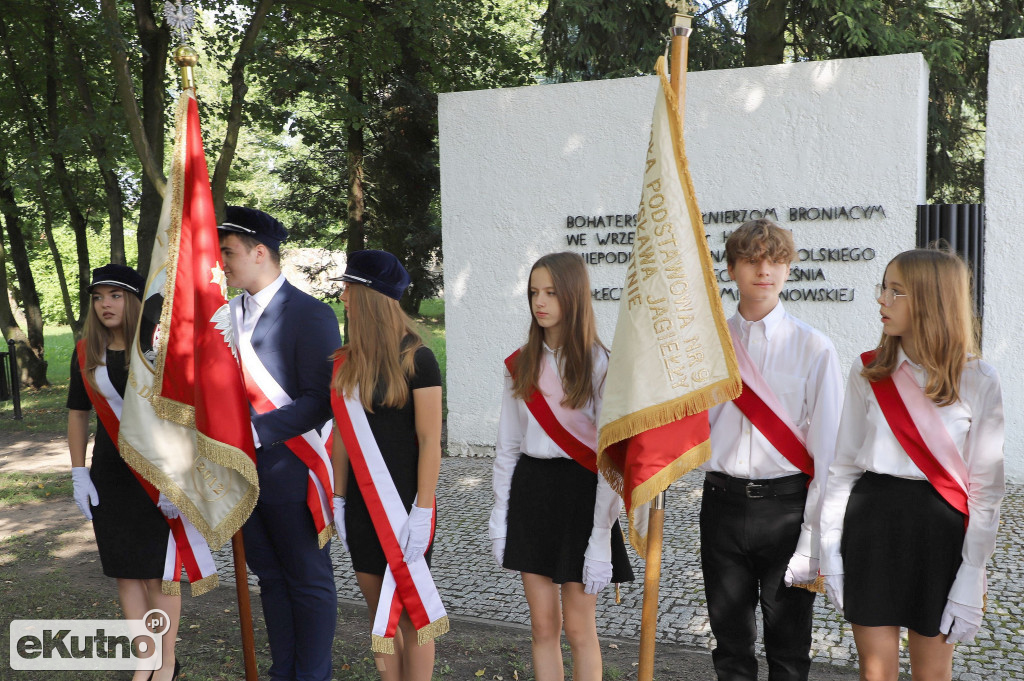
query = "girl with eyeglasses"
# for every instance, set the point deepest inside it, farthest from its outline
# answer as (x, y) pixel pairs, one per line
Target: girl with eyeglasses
(911, 509)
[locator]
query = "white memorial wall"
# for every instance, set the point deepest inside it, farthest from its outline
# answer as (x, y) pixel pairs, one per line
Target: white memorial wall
(1004, 205)
(833, 150)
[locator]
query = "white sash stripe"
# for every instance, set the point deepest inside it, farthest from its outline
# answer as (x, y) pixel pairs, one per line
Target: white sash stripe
(925, 415)
(756, 382)
(397, 519)
(107, 389)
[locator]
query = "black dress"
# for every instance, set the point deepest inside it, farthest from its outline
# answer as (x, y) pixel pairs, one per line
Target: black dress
(131, 533)
(395, 432)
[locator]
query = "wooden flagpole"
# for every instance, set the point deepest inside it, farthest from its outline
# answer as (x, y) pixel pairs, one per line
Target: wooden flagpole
(656, 519)
(186, 58)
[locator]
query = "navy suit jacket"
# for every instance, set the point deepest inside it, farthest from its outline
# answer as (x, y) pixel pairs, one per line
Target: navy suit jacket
(294, 339)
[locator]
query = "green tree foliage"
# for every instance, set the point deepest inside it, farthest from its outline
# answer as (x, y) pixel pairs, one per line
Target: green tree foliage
(357, 83)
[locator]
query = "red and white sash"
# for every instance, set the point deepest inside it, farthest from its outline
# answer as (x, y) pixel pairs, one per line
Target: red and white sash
(185, 545)
(406, 587)
(570, 429)
(915, 421)
(759, 403)
(312, 447)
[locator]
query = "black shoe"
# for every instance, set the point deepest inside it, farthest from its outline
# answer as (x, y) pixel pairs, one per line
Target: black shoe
(177, 668)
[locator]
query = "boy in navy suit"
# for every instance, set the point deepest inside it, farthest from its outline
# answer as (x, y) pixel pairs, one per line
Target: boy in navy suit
(285, 339)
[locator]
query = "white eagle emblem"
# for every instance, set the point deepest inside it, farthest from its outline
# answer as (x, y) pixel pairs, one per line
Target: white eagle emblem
(222, 322)
(180, 19)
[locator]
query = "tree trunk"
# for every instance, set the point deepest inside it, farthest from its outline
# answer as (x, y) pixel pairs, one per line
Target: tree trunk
(238, 90)
(765, 38)
(30, 348)
(356, 191)
(67, 190)
(154, 41)
(98, 145)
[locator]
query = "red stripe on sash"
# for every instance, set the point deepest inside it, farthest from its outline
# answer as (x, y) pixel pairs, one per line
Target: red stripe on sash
(541, 410)
(302, 449)
(903, 427)
(408, 595)
(774, 429)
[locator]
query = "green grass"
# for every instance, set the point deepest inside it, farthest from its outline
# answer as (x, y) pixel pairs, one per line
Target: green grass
(17, 488)
(43, 409)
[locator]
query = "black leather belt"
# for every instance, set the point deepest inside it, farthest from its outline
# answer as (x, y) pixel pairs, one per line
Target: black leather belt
(758, 489)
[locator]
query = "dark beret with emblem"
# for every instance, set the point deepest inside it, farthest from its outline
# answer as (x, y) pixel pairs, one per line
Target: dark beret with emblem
(120, 276)
(379, 270)
(261, 226)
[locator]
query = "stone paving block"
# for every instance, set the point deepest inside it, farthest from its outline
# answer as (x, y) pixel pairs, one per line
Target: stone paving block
(471, 583)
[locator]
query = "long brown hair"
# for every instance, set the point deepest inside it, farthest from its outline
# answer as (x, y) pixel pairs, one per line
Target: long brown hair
(938, 287)
(381, 350)
(579, 333)
(98, 337)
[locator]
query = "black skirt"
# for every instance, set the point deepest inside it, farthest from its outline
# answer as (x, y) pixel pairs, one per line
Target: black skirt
(550, 518)
(901, 550)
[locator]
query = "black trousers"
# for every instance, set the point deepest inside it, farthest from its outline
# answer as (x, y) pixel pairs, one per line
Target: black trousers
(745, 546)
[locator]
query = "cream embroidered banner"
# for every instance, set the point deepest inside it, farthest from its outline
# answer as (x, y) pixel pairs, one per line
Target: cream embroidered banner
(672, 358)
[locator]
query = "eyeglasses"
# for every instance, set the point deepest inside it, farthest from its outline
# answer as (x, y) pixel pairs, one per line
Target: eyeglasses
(887, 296)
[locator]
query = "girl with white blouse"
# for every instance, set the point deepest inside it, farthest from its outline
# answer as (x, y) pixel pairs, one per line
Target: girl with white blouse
(555, 519)
(911, 509)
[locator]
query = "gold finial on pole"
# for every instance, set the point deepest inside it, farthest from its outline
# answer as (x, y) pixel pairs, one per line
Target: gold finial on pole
(186, 58)
(681, 29)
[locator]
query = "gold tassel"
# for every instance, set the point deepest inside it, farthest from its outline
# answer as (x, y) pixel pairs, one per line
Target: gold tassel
(431, 631)
(204, 585)
(379, 644)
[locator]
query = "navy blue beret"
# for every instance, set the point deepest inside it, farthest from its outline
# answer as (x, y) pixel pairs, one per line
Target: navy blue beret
(120, 276)
(265, 228)
(379, 270)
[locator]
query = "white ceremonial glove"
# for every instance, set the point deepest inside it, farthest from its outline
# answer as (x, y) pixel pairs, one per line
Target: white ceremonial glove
(801, 570)
(960, 623)
(166, 507)
(596, 575)
(498, 549)
(834, 591)
(416, 535)
(339, 521)
(84, 491)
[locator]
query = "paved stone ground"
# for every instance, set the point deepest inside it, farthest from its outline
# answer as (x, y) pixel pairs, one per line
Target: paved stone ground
(472, 585)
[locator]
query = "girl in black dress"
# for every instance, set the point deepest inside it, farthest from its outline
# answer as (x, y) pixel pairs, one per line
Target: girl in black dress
(399, 386)
(131, 531)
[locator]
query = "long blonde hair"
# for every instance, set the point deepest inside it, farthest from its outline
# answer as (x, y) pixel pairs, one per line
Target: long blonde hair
(938, 287)
(98, 337)
(380, 351)
(579, 333)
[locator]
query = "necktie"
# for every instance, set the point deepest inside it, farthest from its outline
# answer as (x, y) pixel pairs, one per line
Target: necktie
(250, 312)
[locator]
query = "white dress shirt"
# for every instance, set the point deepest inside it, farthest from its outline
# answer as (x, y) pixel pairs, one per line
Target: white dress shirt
(802, 367)
(519, 433)
(866, 443)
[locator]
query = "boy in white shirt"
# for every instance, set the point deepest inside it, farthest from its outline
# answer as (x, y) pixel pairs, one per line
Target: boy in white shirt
(771, 449)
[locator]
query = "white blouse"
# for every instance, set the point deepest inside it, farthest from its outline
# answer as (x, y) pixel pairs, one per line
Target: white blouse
(519, 433)
(866, 443)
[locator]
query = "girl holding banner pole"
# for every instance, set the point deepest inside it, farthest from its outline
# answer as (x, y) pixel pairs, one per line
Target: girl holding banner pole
(386, 395)
(911, 510)
(130, 519)
(555, 520)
